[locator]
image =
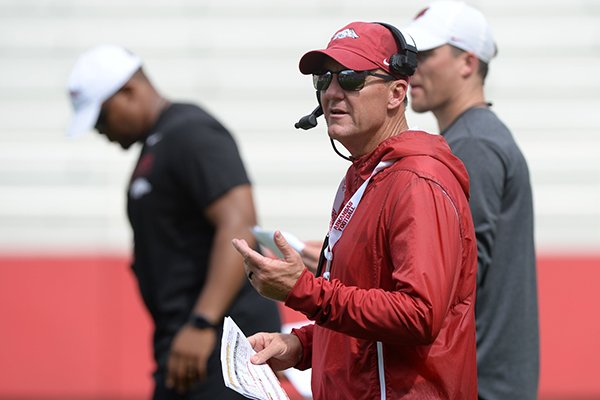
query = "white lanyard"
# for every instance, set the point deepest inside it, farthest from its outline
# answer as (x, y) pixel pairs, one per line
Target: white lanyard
(340, 219)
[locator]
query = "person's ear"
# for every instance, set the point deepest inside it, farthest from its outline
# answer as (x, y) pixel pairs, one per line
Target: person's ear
(470, 64)
(398, 92)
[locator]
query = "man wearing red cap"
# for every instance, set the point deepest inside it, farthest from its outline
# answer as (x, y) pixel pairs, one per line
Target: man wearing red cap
(393, 300)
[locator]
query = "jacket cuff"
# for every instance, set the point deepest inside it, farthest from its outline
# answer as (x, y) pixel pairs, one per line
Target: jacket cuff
(305, 335)
(304, 295)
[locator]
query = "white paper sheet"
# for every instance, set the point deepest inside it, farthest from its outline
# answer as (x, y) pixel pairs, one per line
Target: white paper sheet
(257, 382)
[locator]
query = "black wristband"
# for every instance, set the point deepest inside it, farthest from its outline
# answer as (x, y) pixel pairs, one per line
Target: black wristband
(198, 321)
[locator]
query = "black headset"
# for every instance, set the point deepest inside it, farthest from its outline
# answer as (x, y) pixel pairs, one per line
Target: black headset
(405, 61)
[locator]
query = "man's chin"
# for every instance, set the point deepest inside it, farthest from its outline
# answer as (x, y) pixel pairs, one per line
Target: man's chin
(336, 130)
(417, 104)
(419, 109)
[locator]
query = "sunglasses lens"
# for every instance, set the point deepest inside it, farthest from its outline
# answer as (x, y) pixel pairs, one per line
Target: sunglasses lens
(348, 79)
(322, 81)
(100, 120)
(352, 80)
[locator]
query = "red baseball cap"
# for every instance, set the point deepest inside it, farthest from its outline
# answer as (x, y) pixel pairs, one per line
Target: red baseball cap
(361, 46)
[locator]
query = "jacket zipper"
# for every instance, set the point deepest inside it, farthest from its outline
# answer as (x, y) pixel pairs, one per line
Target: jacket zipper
(381, 370)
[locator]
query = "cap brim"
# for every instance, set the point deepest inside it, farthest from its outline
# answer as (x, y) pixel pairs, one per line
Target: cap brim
(423, 39)
(84, 119)
(313, 61)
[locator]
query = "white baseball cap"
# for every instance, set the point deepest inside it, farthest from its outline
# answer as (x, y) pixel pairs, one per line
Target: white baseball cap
(455, 23)
(97, 75)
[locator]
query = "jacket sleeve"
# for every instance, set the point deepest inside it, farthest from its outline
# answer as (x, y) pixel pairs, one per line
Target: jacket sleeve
(305, 335)
(423, 239)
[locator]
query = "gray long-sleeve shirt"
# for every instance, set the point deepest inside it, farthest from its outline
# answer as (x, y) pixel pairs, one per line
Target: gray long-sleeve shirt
(506, 306)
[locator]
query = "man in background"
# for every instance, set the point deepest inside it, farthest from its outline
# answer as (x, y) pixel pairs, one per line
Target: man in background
(188, 196)
(455, 46)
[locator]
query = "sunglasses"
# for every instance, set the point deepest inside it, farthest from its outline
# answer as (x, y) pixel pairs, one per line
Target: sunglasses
(348, 79)
(101, 121)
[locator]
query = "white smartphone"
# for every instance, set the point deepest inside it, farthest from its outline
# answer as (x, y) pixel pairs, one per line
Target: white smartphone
(265, 238)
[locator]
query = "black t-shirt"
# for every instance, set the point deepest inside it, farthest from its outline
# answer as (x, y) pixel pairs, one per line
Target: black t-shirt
(187, 161)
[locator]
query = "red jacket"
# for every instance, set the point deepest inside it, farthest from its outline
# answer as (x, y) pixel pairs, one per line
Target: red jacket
(396, 321)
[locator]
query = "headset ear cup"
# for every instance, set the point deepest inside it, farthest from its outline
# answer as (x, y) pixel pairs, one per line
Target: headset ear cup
(396, 63)
(410, 63)
(403, 65)
(405, 61)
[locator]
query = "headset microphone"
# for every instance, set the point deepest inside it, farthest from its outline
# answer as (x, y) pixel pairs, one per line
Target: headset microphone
(309, 121)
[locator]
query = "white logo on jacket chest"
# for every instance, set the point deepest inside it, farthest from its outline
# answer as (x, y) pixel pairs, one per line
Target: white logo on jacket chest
(139, 187)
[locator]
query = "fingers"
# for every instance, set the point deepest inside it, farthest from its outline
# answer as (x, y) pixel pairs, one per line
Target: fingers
(310, 263)
(258, 341)
(191, 375)
(311, 250)
(177, 373)
(265, 355)
(242, 247)
(310, 255)
(201, 369)
(239, 245)
(272, 278)
(289, 254)
(265, 346)
(279, 351)
(171, 375)
(251, 257)
(183, 372)
(245, 251)
(268, 252)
